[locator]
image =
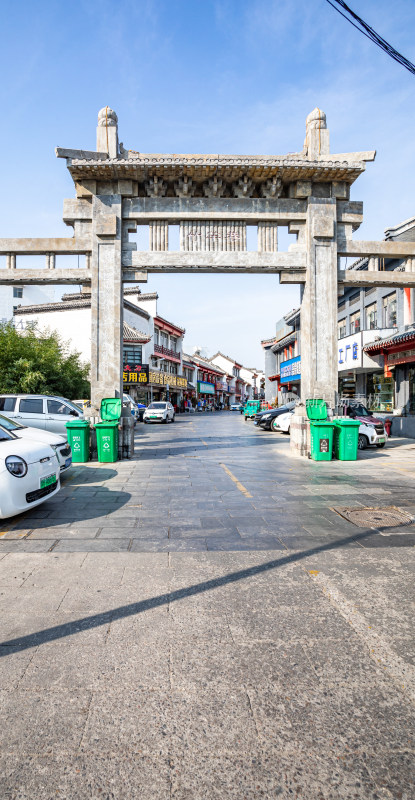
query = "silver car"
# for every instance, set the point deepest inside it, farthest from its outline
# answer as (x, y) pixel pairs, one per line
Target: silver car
(159, 411)
(58, 442)
(40, 411)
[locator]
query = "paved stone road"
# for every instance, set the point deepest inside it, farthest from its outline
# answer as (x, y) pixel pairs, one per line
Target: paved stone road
(200, 623)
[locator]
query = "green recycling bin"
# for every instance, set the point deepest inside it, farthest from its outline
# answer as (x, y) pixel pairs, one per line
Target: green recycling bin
(321, 430)
(346, 437)
(107, 430)
(78, 438)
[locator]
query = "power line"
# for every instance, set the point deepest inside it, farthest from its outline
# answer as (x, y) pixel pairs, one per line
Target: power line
(371, 34)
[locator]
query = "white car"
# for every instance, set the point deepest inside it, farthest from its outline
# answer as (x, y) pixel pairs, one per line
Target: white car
(40, 411)
(58, 443)
(159, 411)
(283, 422)
(29, 474)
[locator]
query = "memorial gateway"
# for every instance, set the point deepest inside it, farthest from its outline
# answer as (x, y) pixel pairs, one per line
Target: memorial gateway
(212, 199)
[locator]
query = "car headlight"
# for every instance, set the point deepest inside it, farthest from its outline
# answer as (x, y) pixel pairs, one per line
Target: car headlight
(16, 466)
(266, 416)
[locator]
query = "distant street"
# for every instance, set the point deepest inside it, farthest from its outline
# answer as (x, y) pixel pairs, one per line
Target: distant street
(200, 622)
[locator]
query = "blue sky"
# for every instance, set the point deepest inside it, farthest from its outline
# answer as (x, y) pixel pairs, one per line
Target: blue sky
(203, 76)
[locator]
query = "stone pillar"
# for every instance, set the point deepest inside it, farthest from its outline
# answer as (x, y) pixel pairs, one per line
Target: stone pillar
(319, 375)
(267, 237)
(106, 300)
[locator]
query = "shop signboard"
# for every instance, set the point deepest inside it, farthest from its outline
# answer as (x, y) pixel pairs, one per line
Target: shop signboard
(205, 388)
(168, 380)
(402, 357)
(351, 353)
(137, 375)
(290, 371)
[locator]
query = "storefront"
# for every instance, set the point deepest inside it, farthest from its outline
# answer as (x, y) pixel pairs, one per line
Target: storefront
(145, 385)
(361, 374)
(166, 386)
(205, 394)
(398, 353)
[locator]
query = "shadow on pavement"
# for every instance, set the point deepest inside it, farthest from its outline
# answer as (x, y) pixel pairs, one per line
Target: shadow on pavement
(104, 618)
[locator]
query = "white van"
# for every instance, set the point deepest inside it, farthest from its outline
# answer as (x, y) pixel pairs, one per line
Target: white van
(40, 411)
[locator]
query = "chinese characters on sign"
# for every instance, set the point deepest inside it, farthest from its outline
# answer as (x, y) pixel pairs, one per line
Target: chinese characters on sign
(143, 375)
(350, 353)
(137, 375)
(290, 370)
(164, 379)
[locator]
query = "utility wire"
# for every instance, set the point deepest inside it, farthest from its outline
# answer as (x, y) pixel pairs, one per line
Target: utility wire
(371, 34)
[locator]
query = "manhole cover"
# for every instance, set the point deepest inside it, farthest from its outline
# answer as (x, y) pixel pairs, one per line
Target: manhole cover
(384, 517)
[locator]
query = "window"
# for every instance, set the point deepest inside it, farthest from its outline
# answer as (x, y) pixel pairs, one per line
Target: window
(7, 403)
(156, 336)
(371, 317)
(165, 339)
(132, 354)
(31, 405)
(389, 311)
(17, 291)
(341, 328)
(56, 407)
(355, 322)
(235, 372)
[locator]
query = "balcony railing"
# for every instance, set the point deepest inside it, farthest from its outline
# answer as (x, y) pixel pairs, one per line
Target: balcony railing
(166, 352)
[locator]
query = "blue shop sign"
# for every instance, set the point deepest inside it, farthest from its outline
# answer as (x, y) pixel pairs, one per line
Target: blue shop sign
(290, 371)
(205, 388)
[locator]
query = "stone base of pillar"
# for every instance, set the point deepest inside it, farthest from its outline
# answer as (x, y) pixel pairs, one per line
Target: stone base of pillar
(300, 441)
(126, 438)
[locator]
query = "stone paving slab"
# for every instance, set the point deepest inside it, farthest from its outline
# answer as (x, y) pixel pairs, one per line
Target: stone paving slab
(182, 640)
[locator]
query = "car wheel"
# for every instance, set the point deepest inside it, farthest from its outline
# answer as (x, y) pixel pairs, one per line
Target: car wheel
(288, 429)
(362, 442)
(165, 420)
(172, 419)
(381, 444)
(274, 425)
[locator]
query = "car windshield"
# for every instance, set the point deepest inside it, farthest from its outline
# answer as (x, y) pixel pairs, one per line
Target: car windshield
(358, 410)
(10, 424)
(6, 436)
(157, 405)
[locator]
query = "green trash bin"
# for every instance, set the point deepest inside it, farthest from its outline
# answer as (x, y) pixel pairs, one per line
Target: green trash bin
(321, 430)
(107, 430)
(78, 438)
(346, 437)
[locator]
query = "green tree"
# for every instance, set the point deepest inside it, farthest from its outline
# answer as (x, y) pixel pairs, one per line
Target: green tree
(41, 363)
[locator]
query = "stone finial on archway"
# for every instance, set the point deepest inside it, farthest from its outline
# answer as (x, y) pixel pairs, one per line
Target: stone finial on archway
(317, 138)
(107, 132)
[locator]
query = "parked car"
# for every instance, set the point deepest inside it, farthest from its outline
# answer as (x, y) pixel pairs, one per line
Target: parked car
(58, 443)
(268, 420)
(83, 404)
(159, 411)
(372, 429)
(29, 474)
(50, 413)
(237, 407)
(282, 423)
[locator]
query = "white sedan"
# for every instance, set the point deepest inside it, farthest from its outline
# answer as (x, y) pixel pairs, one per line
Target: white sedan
(57, 441)
(283, 422)
(29, 474)
(159, 412)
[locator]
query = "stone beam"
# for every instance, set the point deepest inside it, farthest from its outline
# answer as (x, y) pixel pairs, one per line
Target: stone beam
(214, 261)
(39, 277)
(293, 276)
(34, 247)
(175, 209)
(132, 276)
(365, 278)
(67, 152)
(388, 249)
